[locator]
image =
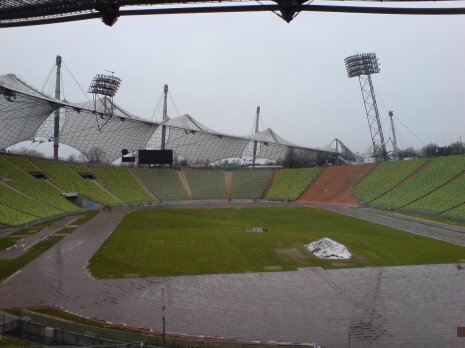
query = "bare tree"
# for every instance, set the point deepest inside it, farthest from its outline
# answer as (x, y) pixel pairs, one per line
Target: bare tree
(96, 155)
(430, 150)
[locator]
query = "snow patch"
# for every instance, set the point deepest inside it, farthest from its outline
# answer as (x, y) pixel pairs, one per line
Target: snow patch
(326, 248)
(257, 230)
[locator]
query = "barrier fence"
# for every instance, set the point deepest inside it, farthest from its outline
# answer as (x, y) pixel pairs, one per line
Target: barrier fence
(51, 330)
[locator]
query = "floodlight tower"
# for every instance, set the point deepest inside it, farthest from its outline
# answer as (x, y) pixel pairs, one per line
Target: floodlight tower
(363, 65)
(257, 119)
(106, 86)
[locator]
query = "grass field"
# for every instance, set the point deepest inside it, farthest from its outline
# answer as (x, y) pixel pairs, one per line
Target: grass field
(206, 241)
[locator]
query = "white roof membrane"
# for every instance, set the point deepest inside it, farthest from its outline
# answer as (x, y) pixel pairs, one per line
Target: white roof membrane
(25, 113)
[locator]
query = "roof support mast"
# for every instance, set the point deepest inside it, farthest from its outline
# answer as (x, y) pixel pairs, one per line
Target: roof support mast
(257, 118)
(56, 125)
(395, 150)
(165, 117)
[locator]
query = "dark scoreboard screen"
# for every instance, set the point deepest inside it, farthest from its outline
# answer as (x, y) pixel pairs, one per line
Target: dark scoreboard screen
(155, 156)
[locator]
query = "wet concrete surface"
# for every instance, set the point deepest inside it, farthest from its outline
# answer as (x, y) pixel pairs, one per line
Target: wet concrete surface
(26, 242)
(409, 306)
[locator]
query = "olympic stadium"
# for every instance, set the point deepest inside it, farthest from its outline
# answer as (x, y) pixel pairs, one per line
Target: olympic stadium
(169, 233)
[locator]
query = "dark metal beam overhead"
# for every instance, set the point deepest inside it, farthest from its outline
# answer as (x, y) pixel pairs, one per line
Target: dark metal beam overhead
(14, 13)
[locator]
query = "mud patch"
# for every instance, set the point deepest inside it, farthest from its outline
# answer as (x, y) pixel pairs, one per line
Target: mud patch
(272, 268)
(291, 253)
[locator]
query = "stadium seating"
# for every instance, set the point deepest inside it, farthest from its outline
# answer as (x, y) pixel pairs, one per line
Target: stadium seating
(384, 177)
(335, 184)
(444, 198)
(13, 199)
(69, 181)
(437, 172)
(79, 167)
(206, 183)
(37, 188)
(13, 217)
(290, 183)
(250, 183)
(23, 163)
(457, 212)
(122, 184)
(163, 183)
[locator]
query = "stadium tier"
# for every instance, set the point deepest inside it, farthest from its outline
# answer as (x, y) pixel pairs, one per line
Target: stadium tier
(79, 167)
(443, 199)
(384, 177)
(335, 184)
(431, 186)
(163, 183)
(13, 217)
(122, 184)
(290, 183)
(18, 201)
(22, 163)
(207, 184)
(435, 173)
(458, 211)
(26, 183)
(69, 181)
(250, 183)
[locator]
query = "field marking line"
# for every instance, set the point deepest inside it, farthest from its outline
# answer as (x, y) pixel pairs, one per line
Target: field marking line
(11, 276)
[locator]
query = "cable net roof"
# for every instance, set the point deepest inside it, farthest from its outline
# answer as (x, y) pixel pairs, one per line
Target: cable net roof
(101, 129)
(198, 144)
(101, 138)
(187, 122)
(22, 110)
(270, 136)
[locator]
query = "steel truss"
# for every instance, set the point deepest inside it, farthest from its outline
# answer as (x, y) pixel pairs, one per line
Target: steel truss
(374, 122)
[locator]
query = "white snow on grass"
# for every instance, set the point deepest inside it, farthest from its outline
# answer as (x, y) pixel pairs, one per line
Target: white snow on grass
(326, 248)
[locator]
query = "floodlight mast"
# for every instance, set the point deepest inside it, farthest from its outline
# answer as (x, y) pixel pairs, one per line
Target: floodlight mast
(363, 65)
(56, 122)
(105, 86)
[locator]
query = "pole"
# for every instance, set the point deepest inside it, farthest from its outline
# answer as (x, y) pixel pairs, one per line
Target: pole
(163, 312)
(337, 151)
(254, 156)
(165, 116)
(394, 137)
(56, 126)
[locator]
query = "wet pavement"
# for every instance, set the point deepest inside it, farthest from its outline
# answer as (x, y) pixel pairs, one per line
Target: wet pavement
(427, 228)
(409, 306)
(24, 243)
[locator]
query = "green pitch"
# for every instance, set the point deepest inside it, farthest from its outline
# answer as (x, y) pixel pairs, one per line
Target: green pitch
(206, 241)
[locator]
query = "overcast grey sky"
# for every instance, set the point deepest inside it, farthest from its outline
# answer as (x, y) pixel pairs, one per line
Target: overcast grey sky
(219, 67)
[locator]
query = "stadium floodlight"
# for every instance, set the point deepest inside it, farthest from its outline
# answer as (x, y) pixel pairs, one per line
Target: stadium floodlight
(363, 65)
(106, 86)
